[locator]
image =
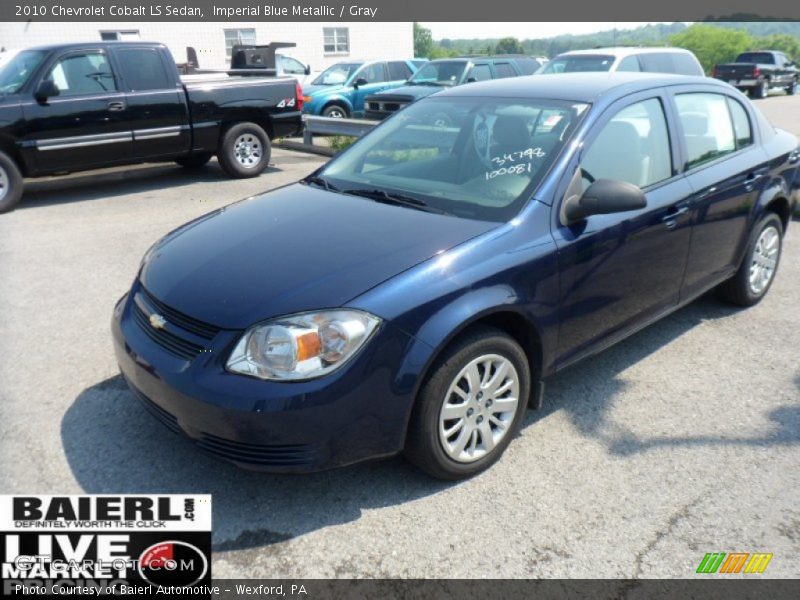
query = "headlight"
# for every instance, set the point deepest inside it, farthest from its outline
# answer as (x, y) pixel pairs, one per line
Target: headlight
(302, 346)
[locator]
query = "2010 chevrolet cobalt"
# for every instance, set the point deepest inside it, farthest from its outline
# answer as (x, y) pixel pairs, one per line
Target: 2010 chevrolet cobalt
(412, 294)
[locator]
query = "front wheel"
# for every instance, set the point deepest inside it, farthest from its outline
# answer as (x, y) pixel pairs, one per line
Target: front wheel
(244, 150)
(757, 271)
(470, 407)
(334, 111)
(791, 89)
(11, 183)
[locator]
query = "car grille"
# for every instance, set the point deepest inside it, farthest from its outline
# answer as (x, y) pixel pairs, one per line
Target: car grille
(183, 336)
(387, 107)
(279, 455)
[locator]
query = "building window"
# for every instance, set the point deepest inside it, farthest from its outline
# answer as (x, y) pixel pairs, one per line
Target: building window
(336, 40)
(119, 36)
(235, 37)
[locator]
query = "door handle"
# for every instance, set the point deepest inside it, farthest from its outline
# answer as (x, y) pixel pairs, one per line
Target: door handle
(116, 106)
(671, 218)
(750, 181)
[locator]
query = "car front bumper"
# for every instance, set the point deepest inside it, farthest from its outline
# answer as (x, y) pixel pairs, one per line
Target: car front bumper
(358, 412)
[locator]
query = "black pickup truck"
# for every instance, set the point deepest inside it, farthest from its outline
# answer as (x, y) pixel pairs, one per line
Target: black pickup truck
(759, 72)
(72, 107)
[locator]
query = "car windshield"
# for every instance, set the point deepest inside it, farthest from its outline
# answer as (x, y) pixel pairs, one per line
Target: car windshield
(16, 71)
(446, 72)
(337, 74)
(478, 158)
(764, 58)
(578, 63)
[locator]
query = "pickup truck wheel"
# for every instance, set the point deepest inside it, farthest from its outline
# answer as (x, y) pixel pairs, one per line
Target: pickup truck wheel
(10, 183)
(470, 407)
(761, 90)
(757, 271)
(195, 161)
(335, 111)
(791, 90)
(244, 151)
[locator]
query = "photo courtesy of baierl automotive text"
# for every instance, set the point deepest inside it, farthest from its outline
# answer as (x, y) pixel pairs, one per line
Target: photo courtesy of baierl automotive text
(324, 300)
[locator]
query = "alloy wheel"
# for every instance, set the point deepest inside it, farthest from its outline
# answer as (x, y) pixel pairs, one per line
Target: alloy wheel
(765, 259)
(479, 408)
(4, 183)
(247, 150)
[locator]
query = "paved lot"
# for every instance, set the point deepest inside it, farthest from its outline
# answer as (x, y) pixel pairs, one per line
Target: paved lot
(681, 440)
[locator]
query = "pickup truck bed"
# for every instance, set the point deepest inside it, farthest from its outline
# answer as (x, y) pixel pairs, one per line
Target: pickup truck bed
(73, 107)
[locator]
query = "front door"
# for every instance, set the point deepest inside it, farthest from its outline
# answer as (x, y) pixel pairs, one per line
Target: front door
(375, 74)
(85, 124)
(618, 271)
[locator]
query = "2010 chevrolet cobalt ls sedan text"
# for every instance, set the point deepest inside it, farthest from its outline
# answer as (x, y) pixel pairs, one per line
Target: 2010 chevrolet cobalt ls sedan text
(412, 294)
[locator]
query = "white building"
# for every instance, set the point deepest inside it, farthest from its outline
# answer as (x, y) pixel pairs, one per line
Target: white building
(318, 44)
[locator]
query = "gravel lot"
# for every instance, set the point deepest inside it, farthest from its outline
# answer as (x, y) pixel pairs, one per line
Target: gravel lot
(681, 440)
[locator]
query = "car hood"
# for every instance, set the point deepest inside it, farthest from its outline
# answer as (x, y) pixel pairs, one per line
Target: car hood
(295, 249)
(411, 91)
(310, 90)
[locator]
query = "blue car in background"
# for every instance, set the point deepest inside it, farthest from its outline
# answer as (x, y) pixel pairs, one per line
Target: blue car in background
(414, 292)
(340, 90)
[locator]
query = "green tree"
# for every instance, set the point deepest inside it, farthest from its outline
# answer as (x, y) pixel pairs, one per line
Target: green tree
(788, 44)
(712, 45)
(423, 41)
(509, 45)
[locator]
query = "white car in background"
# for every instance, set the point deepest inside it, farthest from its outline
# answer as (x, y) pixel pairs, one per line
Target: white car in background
(647, 60)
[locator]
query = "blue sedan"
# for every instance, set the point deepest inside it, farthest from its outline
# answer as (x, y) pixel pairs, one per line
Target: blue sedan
(413, 294)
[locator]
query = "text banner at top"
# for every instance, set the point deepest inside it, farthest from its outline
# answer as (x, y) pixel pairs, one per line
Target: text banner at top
(391, 10)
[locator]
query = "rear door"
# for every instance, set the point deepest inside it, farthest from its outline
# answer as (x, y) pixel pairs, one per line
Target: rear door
(85, 125)
(726, 169)
(156, 103)
(619, 271)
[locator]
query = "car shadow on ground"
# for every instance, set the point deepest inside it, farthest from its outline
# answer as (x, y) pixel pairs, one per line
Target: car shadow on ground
(114, 446)
(110, 183)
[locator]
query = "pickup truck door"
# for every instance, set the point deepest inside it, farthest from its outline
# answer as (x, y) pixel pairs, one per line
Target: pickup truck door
(157, 110)
(84, 125)
(620, 271)
(726, 169)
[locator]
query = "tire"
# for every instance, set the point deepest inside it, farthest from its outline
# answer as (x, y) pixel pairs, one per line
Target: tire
(442, 456)
(335, 111)
(762, 248)
(11, 183)
(244, 151)
(791, 89)
(195, 161)
(761, 90)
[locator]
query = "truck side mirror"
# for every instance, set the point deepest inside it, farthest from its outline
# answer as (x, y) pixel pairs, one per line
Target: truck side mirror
(47, 89)
(360, 81)
(308, 69)
(471, 80)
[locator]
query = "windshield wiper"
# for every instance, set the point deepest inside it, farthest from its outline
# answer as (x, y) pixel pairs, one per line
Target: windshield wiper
(396, 199)
(321, 181)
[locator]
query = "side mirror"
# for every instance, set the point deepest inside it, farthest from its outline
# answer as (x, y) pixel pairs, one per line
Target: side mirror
(47, 89)
(360, 81)
(471, 80)
(308, 69)
(603, 197)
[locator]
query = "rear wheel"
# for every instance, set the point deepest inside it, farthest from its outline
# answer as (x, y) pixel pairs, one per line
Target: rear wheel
(244, 150)
(470, 407)
(10, 183)
(757, 271)
(195, 161)
(791, 89)
(761, 90)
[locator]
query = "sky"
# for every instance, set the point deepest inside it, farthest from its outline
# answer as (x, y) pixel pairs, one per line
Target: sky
(520, 30)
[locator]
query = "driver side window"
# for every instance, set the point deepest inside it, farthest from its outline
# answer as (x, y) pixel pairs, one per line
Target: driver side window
(633, 146)
(373, 73)
(79, 74)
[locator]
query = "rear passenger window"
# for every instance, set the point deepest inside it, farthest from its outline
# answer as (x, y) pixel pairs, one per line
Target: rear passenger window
(480, 73)
(142, 69)
(741, 124)
(398, 70)
(633, 146)
(504, 70)
(629, 63)
(707, 127)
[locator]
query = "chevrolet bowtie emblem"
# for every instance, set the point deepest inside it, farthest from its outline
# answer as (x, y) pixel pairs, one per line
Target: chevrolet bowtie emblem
(157, 321)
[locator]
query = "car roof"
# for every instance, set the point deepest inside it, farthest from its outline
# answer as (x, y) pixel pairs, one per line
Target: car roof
(92, 44)
(577, 87)
(623, 51)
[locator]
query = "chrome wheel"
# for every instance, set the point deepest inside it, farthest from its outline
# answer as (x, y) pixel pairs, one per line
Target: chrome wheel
(247, 150)
(765, 259)
(336, 113)
(4, 183)
(479, 408)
